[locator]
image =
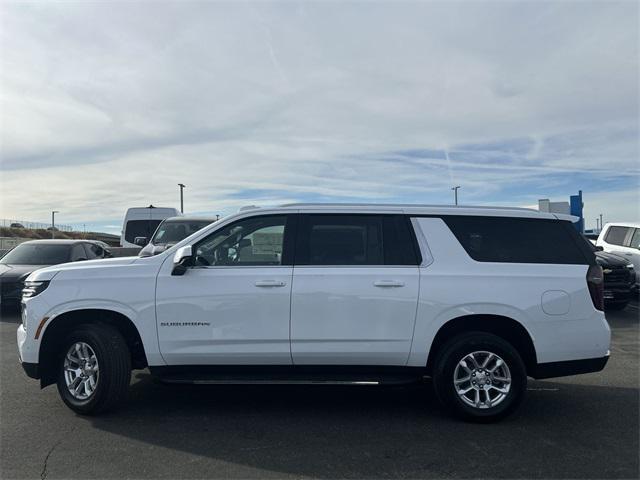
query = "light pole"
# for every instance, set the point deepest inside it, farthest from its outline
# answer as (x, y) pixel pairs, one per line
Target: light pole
(600, 222)
(455, 193)
(53, 223)
(181, 185)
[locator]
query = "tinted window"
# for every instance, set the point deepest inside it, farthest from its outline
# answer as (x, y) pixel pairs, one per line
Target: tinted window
(616, 235)
(93, 251)
(251, 242)
(355, 240)
(635, 240)
(173, 232)
(519, 240)
(37, 254)
(140, 228)
(78, 253)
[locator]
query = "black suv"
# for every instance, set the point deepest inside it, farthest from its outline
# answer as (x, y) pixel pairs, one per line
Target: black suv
(619, 279)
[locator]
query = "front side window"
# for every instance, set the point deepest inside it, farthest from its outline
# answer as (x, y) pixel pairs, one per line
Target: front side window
(352, 240)
(140, 228)
(255, 241)
(616, 235)
(78, 253)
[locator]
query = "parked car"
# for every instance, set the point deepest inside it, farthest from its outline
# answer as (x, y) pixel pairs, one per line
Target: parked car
(18, 263)
(16, 225)
(477, 298)
(142, 222)
(619, 278)
(622, 239)
(170, 232)
(101, 249)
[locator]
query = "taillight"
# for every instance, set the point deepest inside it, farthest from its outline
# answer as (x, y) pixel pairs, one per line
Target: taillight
(595, 281)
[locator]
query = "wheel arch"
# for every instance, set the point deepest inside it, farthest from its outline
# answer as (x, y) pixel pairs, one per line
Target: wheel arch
(504, 327)
(60, 326)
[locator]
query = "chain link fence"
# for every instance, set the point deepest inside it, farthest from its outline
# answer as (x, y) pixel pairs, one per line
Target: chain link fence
(8, 223)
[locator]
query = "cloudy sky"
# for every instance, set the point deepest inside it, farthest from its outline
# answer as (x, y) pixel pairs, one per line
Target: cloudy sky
(109, 105)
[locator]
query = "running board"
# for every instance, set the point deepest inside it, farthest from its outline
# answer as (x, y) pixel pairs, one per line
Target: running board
(261, 375)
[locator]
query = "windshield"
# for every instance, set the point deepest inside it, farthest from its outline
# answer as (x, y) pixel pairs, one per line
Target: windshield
(33, 254)
(173, 232)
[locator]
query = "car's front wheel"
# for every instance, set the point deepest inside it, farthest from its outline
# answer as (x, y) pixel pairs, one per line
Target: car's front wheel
(94, 369)
(479, 377)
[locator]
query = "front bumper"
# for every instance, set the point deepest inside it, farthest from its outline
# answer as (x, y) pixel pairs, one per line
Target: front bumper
(571, 367)
(31, 369)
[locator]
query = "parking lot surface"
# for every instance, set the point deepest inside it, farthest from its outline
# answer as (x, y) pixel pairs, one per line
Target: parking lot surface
(585, 426)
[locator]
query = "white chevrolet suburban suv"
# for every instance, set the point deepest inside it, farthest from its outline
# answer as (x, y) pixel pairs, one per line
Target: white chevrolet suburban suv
(476, 298)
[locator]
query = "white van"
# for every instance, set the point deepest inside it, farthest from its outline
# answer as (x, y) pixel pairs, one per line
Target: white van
(142, 222)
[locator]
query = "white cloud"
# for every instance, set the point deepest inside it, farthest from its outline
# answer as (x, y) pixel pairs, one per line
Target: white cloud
(104, 108)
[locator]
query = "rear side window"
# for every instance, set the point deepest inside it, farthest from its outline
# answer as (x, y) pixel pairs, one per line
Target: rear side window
(352, 240)
(635, 240)
(519, 240)
(616, 235)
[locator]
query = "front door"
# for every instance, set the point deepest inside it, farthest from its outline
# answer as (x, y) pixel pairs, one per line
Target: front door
(355, 290)
(232, 306)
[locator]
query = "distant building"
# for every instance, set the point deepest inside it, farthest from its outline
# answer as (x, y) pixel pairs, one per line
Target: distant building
(572, 207)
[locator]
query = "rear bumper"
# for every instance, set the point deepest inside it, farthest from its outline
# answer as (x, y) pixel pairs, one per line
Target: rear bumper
(571, 367)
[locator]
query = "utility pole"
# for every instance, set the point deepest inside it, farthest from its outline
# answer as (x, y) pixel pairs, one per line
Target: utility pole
(455, 193)
(53, 223)
(601, 222)
(181, 185)
(597, 225)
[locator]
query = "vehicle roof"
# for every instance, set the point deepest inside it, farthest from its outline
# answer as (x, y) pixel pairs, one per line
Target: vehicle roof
(189, 219)
(55, 241)
(417, 209)
(623, 224)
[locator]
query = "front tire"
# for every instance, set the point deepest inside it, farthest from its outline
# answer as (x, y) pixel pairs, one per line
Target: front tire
(479, 377)
(94, 369)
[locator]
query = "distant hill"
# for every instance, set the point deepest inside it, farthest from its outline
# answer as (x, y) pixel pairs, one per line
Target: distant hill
(41, 233)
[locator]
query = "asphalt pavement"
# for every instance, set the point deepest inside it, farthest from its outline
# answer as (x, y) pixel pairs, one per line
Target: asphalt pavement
(575, 427)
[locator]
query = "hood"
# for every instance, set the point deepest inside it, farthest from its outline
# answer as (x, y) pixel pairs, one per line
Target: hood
(49, 272)
(14, 273)
(605, 259)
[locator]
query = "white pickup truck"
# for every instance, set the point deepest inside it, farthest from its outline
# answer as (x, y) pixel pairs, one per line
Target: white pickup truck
(476, 298)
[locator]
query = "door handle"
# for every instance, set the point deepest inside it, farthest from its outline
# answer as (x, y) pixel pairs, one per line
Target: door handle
(270, 283)
(388, 283)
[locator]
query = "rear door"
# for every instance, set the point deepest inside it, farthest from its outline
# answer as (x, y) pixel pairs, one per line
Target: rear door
(355, 290)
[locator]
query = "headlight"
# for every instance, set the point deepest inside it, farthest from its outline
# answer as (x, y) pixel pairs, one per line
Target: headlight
(629, 265)
(31, 289)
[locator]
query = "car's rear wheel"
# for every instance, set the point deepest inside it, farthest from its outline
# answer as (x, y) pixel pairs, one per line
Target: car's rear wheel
(479, 377)
(94, 369)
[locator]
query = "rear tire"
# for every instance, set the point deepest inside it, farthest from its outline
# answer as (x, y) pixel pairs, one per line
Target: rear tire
(94, 369)
(479, 377)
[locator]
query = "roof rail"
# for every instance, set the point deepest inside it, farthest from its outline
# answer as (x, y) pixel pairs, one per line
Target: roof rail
(404, 205)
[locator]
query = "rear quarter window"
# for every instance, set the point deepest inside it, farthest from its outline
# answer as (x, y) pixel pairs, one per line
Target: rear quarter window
(520, 240)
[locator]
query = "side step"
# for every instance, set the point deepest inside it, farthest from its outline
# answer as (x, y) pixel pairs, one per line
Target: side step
(260, 375)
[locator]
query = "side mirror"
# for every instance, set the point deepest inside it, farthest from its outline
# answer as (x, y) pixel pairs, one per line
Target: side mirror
(181, 260)
(599, 248)
(140, 241)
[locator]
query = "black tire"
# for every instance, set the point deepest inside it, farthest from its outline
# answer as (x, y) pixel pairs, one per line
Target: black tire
(114, 360)
(616, 306)
(454, 351)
